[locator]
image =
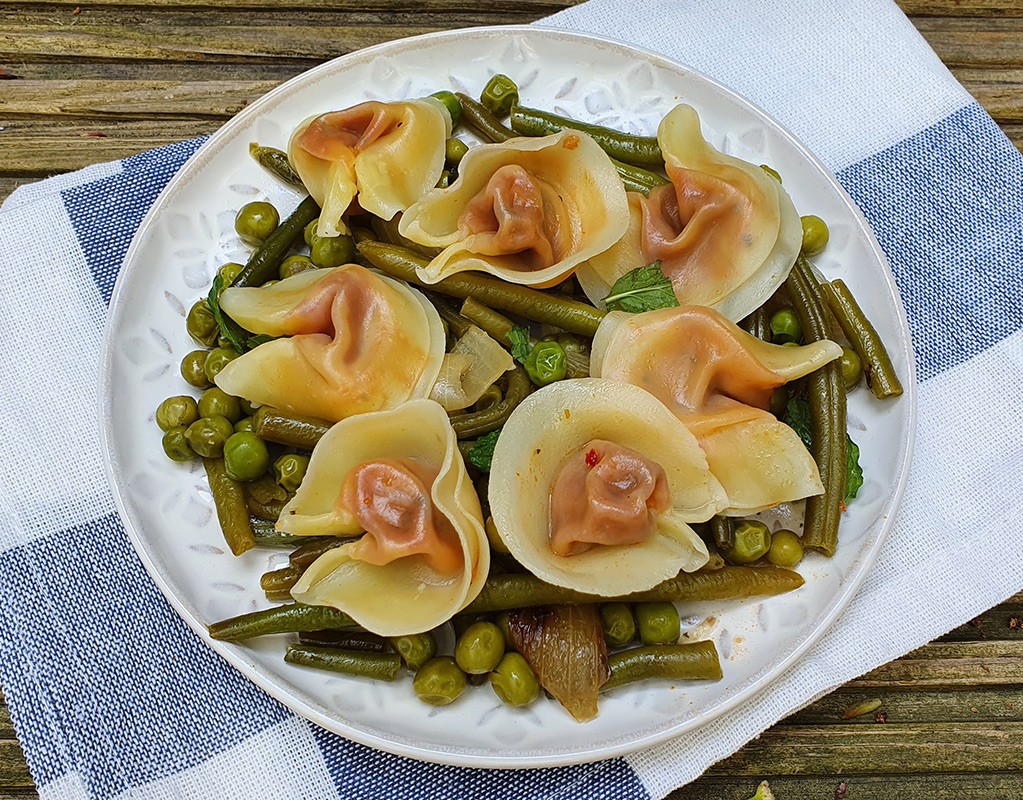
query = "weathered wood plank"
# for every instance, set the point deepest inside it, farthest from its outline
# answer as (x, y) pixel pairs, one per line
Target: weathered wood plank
(1004, 621)
(917, 706)
(13, 769)
(999, 91)
(972, 42)
(498, 10)
(878, 749)
(961, 8)
(130, 99)
(982, 786)
(39, 147)
(949, 665)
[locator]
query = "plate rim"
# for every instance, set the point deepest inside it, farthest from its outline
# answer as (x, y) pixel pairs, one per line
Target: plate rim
(235, 654)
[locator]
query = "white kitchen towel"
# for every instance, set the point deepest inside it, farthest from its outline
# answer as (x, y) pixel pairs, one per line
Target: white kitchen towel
(112, 696)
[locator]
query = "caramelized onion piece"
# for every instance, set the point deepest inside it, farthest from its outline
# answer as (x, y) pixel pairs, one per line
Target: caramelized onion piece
(391, 500)
(565, 647)
(606, 494)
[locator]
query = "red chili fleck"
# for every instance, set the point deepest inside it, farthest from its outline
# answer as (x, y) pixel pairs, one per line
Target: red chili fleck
(840, 791)
(592, 458)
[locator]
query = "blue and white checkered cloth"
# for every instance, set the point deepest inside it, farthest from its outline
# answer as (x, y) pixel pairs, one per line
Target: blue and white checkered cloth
(112, 696)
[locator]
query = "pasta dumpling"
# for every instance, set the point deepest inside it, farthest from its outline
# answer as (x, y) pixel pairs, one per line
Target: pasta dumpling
(718, 380)
(387, 154)
(593, 484)
(398, 476)
(725, 232)
(357, 342)
(526, 210)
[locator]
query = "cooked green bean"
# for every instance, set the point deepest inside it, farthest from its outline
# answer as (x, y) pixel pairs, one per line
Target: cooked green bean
(266, 535)
(345, 640)
(825, 392)
(723, 532)
(488, 320)
(280, 581)
(629, 148)
(451, 104)
(457, 324)
(877, 364)
(276, 163)
(455, 150)
(265, 261)
(387, 231)
(264, 498)
(521, 590)
(229, 499)
(291, 618)
(562, 312)
(289, 429)
(379, 666)
(470, 424)
(758, 324)
(752, 541)
(676, 662)
(305, 555)
(637, 179)
(499, 95)
(478, 117)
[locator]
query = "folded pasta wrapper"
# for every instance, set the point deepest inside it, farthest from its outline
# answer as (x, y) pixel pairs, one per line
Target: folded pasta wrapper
(406, 595)
(528, 210)
(357, 342)
(718, 380)
(549, 427)
(726, 233)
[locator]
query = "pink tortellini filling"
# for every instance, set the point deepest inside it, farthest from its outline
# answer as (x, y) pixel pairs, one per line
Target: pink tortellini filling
(606, 494)
(391, 500)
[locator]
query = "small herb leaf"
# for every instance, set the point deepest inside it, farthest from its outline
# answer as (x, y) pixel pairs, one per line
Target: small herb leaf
(644, 289)
(482, 451)
(520, 343)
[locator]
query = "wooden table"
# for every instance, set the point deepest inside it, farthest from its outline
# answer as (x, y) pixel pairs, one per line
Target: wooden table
(108, 78)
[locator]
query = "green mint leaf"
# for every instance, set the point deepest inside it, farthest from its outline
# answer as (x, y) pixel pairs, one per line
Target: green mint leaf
(229, 329)
(797, 417)
(255, 341)
(854, 477)
(520, 344)
(644, 289)
(482, 451)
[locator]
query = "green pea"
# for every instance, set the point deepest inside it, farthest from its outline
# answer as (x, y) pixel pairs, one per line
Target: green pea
(244, 424)
(332, 251)
(445, 179)
(785, 326)
(415, 649)
(455, 150)
(619, 624)
(514, 681)
(786, 549)
(217, 360)
(503, 621)
(247, 408)
(452, 104)
(815, 235)
(852, 368)
(229, 272)
(193, 369)
(289, 470)
(215, 402)
(752, 541)
(293, 265)
(206, 436)
(175, 445)
(439, 681)
(245, 456)
(179, 411)
(201, 325)
(658, 623)
(771, 171)
(480, 647)
(256, 221)
(310, 232)
(499, 95)
(546, 363)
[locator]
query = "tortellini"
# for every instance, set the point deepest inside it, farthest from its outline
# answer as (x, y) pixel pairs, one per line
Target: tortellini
(718, 380)
(387, 154)
(593, 484)
(398, 476)
(525, 210)
(725, 232)
(357, 342)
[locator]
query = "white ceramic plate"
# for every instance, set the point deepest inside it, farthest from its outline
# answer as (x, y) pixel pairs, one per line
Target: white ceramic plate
(166, 507)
